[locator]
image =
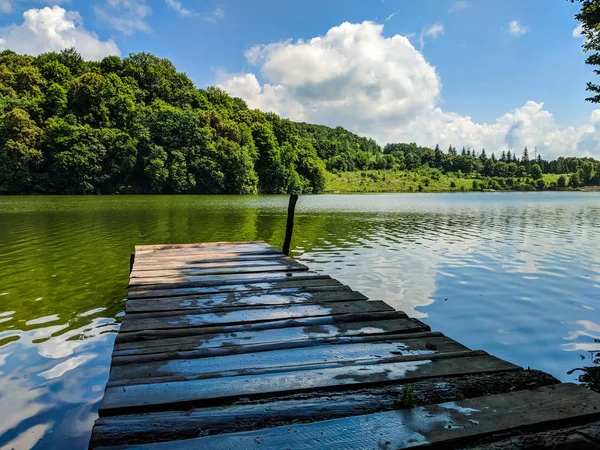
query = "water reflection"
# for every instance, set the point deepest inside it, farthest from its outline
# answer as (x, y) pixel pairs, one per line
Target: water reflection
(514, 274)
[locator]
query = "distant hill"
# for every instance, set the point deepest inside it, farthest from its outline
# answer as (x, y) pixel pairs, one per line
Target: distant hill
(137, 125)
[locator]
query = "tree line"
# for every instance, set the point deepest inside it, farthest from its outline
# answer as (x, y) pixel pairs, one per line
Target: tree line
(70, 126)
(137, 125)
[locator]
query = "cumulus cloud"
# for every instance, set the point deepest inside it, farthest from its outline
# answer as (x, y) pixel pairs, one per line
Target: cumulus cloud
(516, 28)
(577, 31)
(52, 29)
(457, 6)
(384, 88)
(126, 16)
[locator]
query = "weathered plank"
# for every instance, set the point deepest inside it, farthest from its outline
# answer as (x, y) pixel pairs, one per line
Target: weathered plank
(199, 246)
(207, 251)
(245, 299)
(234, 259)
(216, 271)
(249, 315)
(287, 335)
(248, 414)
(247, 261)
(336, 307)
(126, 399)
(237, 287)
(284, 359)
(219, 280)
(308, 322)
(149, 354)
(452, 423)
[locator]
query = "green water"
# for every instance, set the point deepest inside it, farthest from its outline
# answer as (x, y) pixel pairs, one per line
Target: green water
(515, 274)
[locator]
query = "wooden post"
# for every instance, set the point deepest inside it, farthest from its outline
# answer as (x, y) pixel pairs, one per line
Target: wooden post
(131, 261)
(289, 228)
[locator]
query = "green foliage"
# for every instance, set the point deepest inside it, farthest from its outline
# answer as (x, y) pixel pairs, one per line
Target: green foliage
(562, 181)
(407, 399)
(138, 125)
(536, 172)
(589, 16)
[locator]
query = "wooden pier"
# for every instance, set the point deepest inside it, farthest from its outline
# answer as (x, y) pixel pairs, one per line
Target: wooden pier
(237, 346)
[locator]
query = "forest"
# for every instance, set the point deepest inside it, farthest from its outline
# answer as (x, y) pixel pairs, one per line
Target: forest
(137, 125)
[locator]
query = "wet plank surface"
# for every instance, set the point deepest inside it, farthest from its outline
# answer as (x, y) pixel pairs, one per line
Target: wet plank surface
(234, 345)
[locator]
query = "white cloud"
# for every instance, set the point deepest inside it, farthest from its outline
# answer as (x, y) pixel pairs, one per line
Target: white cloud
(178, 6)
(435, 30)
(457, 6)
(53, 29)
(384, 88)
(577, 31)
(126, 16)
(516, 28)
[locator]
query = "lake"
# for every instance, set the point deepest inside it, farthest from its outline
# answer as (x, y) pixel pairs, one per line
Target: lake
(515, 274)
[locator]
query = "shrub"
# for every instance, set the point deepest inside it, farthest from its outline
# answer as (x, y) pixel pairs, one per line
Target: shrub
(562, 181)
(452, 184)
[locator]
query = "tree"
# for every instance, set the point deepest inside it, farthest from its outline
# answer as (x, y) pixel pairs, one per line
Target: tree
(272, 177)
(483, 156)
(575, 180)
(589, 16)
(525, 160)
(19, 152)
(562, 181)
(536, 172)
(55, 102)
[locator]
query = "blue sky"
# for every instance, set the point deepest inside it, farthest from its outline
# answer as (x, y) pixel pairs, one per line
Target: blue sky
(463, 66)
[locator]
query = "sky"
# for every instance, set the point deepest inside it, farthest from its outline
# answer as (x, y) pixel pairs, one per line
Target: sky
(493, 74)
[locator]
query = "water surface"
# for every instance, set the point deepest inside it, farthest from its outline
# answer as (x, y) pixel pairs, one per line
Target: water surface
(515, 274)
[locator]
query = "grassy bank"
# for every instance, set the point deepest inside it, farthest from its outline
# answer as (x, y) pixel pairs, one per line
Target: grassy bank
(424, 181)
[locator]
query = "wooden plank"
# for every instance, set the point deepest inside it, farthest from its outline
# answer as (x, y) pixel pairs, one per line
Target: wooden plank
(126, 399)
(219, 280)
(269, 310)
(244, 299)
(308, 322)
(239, 249)
(220, 258)
(238, 287)
(166, 352)
(450, 424)
(217, 254)
(284, 335)
(250, 315)
(230, 264)
(281, 360)
(220, 271)
(248, 415)
(200, 245)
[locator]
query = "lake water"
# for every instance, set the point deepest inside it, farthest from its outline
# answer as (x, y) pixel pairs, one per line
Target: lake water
(515, 274)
